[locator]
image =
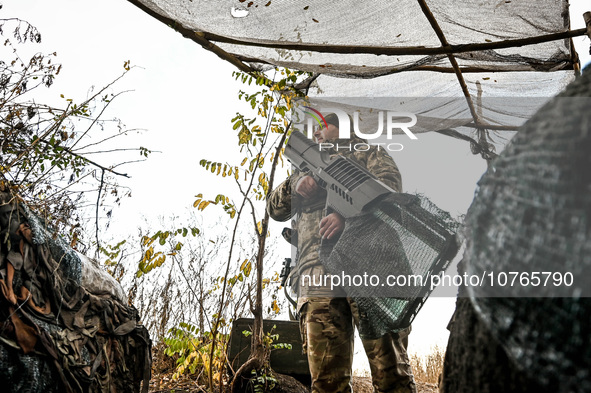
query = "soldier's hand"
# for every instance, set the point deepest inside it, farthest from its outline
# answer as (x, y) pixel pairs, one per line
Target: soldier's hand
(307, 187)
(331, 225)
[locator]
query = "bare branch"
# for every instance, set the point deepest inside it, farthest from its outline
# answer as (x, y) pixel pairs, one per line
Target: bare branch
(98, 199)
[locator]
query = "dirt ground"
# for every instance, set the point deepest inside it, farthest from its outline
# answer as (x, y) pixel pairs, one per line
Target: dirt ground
(363, 385)
(163, 383)
(360, 385)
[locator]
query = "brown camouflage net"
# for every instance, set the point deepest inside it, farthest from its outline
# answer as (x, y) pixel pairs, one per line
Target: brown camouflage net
(56, 336)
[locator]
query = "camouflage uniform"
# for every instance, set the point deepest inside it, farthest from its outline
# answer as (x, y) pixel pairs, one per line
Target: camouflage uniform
(327, 317)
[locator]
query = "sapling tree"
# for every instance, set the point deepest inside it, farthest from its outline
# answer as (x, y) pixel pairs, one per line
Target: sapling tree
(244, 274)
(262, 139)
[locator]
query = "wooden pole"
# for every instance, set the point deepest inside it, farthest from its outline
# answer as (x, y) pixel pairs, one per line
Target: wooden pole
(401, 50)
(543, 67)
(451, 58)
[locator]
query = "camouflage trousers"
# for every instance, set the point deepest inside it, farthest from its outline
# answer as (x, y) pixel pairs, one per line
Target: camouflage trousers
(327, 328)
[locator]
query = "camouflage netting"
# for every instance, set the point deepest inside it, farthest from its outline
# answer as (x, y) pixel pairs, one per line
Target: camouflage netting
(372, 38)
(533, 213)
(401, 234)
(55, 334)
(394, 49)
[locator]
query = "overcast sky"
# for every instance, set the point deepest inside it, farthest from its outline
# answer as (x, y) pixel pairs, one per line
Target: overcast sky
(185, 97)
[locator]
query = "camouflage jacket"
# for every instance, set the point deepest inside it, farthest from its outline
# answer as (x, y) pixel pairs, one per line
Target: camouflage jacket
(284, 203)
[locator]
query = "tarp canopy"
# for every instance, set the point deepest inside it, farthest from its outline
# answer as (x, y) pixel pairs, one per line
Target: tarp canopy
(408, 48)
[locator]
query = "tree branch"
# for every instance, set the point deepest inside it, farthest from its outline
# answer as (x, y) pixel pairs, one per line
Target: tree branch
(103, 168)
(98, 200)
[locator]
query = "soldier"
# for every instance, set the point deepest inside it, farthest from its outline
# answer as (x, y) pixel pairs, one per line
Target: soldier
(327, 316)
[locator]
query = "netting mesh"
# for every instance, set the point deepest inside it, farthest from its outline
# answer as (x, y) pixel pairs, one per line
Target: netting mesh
(392, 49)
(70, 263)
(532, 214)
(436, 113)
(26, 373)
(402, 235)
(392, 25)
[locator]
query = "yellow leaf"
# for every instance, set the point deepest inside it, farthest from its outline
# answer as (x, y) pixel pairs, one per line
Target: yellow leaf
(199, 197)
(244, 135)
(243, 264)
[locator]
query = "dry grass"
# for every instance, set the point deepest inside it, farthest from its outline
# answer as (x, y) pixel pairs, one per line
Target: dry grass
(427, 369)
(363, 385)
